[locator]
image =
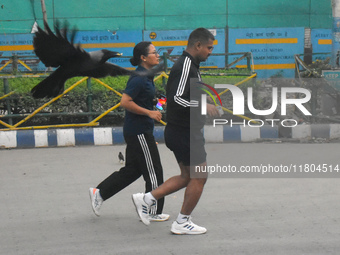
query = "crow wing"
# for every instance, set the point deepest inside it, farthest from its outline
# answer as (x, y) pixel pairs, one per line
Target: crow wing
(54, 50)
(108, 69)
(113, 70)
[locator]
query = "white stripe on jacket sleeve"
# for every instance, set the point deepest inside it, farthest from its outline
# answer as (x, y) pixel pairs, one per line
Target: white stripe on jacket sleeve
(181, 86)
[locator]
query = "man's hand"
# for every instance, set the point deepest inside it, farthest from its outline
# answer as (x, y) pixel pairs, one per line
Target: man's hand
(156, 115)
(212, 110)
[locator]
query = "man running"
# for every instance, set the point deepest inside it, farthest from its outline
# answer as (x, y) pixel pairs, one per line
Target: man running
(183, 134)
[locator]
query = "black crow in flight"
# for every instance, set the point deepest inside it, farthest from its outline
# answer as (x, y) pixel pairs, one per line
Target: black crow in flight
(55, 50)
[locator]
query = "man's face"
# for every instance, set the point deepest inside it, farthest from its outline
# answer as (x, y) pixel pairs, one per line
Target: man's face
(204, 50)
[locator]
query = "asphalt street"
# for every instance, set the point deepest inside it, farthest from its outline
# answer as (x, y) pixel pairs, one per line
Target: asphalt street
(45, 206)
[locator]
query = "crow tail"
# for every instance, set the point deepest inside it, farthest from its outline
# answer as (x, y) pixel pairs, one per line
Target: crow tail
(52, 86)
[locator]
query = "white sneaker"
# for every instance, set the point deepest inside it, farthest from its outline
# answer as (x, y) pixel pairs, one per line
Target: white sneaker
(159, 217)
(96, 200)
(142, 208)
(187, 228)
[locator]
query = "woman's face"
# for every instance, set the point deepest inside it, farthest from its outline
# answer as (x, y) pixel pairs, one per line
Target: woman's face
(152, 59)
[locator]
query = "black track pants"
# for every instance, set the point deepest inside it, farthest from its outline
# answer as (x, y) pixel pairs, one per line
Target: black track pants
(142, 158)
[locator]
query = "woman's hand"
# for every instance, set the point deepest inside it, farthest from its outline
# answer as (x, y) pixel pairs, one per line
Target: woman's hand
(131, 106)
(156, 115)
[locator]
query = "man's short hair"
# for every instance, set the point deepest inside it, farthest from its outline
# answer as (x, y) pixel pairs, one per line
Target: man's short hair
(200, 35)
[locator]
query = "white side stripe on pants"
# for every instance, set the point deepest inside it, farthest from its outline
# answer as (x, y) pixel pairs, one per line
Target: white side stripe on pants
(150, 166)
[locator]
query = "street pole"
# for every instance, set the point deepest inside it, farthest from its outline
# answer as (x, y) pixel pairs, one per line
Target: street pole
(336, 34)
(43, 8)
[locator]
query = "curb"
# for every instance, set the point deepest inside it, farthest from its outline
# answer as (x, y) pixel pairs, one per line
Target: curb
(114, 135)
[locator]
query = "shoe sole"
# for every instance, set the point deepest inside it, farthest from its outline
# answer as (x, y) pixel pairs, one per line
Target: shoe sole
(97, 214)
(188, 233)
(159, 220)
(139, 215)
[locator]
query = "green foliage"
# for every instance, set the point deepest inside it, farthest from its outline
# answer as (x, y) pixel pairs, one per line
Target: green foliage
(24, 85)
(212, 80)
(315, 69)
(71, 104)
(230, 71)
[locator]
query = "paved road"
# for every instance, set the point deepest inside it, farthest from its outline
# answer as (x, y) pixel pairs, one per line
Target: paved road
(45, 208)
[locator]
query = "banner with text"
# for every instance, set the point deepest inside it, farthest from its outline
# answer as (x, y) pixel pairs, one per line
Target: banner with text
(322, 43)
(273, 49)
